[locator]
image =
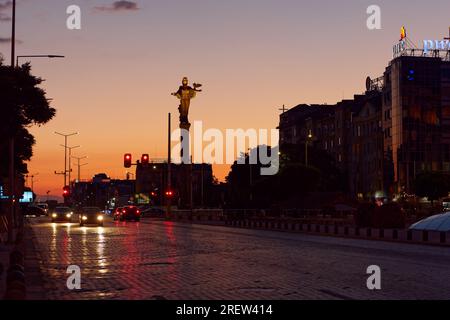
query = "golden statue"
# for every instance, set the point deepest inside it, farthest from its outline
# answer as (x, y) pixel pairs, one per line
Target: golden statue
(185, 93)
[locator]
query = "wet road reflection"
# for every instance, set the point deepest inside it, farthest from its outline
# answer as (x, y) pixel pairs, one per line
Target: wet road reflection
(166, 260)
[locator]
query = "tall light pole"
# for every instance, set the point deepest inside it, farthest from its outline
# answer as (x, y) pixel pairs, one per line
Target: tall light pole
(79, 165)
(32, 180)
(13, 33)
(65, 152)
(11, 174)
(70, 159)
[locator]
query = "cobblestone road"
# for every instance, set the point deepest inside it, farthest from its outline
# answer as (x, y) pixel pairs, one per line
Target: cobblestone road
(165, 260)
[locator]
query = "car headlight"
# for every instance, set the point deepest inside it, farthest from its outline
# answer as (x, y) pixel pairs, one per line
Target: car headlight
(84, 218)
(68, 215)
(54, 215)
(100, 218)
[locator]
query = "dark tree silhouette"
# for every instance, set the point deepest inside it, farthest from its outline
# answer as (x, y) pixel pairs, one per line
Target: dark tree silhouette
(248, 188)
(22, 104)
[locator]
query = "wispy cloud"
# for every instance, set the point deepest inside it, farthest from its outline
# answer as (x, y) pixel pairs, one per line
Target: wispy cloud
(116, 6)
(5, 5)
(8, 40)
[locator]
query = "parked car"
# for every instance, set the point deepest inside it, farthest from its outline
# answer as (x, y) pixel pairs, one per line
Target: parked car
(130, 213)
(34, 211)
(91, 216)
(62, 214)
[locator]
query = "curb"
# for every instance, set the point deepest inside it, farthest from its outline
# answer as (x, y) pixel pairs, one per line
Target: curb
(434, 238)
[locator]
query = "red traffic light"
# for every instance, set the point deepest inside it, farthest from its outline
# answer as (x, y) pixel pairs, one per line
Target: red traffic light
(66, 191)
(127, 158)
(145, 159)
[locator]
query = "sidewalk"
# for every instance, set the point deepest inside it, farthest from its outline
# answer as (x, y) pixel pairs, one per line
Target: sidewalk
(33, 278)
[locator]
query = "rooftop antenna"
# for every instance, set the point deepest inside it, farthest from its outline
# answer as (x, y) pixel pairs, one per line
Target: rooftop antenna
(284, 109)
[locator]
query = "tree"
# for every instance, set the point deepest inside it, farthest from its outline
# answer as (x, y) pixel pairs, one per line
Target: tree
(22, 104)
(248, 188)
(432, 185)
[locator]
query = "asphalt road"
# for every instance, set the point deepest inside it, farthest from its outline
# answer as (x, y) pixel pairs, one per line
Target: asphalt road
(166, 260)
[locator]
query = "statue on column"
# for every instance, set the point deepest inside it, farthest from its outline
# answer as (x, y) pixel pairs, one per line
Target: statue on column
(185, 93)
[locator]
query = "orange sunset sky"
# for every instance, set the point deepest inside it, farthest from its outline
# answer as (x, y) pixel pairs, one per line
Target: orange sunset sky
(252, 56)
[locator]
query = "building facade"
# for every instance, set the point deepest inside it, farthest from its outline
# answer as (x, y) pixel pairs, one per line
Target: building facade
(383, 138)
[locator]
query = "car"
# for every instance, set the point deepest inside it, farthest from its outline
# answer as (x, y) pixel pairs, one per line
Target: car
(130, 213)
(154, 213)
(91, 216)
(116, 213)
(43, 206)
(62, 214)
(34, 211)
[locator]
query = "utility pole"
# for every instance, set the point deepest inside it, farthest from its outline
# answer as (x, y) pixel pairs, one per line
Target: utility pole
(65, 153)
(12, 175)
(79, 165)
(70, 161)
(32, 181)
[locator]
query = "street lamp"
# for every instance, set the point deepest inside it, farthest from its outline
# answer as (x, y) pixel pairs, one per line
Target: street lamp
(308, 139)
(79, 165)
(50, 56)
(70, 159)
(32, 180)
(65, 153)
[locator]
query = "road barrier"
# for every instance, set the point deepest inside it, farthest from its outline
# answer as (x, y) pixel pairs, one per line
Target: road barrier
(394, 235)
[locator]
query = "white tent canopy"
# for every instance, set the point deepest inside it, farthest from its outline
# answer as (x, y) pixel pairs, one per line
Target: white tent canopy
(440, 222)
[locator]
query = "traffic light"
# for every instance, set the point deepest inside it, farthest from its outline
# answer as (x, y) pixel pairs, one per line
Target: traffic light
(145, 159)
(127, 158)
(66, 191)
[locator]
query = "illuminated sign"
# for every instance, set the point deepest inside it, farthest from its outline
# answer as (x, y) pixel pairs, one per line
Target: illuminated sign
(430, 45)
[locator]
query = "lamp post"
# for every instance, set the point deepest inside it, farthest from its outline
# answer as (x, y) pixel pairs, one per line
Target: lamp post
(308, 139)
(32, 180)
(70, 160)
(65, 152)
(11, 170)
(79, 165)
